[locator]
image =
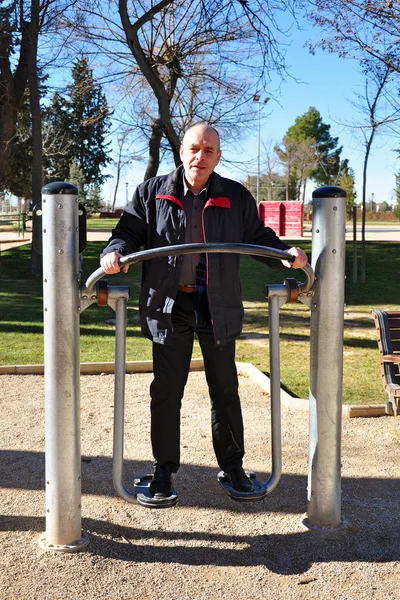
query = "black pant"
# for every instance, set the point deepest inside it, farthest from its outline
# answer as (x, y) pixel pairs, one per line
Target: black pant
(171, 369)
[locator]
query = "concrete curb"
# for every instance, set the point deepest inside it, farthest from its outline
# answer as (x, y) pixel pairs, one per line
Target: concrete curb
(290, 403)
(146, 366)
(140, 366)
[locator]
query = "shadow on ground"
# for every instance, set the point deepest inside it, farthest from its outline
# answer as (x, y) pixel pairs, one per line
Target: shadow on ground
(372, 533)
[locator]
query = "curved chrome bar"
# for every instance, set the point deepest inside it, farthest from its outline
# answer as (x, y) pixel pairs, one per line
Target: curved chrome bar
(119, 402)
(211, 248)
(310, 278)
(275, 394)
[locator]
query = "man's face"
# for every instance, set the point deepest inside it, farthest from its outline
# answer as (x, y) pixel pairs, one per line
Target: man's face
(200, 155)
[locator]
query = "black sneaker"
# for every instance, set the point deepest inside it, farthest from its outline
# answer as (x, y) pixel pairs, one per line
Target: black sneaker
(239, 480)
(161, 485)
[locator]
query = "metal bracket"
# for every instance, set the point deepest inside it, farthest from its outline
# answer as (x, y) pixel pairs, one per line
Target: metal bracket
(103, 295)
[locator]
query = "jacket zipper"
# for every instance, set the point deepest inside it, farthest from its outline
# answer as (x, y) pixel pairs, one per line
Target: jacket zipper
(222, 202)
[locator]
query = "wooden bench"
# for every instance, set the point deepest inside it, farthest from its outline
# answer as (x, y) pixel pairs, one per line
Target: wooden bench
(387, 325)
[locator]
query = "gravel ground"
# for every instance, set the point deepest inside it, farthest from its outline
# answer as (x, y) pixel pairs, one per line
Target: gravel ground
(207, 547)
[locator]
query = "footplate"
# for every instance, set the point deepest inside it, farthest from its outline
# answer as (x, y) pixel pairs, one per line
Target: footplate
(258, 493)
(142, 490)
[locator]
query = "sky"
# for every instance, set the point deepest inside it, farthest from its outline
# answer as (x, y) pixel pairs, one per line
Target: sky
(328, 84)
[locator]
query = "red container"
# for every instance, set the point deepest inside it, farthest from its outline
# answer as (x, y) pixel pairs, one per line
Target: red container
(285, 218)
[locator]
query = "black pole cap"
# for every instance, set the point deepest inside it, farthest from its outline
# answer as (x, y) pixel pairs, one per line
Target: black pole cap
(60, 187)
(329, 191)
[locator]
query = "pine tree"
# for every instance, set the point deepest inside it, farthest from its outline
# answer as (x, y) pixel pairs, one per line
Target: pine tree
(77, 177)
(310, 127)
(347, 182)
(18, 171)
(89, 120)
(94, 200)
(58, 140)
(79, 121)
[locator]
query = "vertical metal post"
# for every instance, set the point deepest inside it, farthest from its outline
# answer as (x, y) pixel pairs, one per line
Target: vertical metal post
(354, 243)
(119, 306)
(275, 301)
(326, 376)
(62, 368)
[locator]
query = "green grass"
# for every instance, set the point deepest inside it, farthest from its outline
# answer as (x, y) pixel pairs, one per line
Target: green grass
(97, 223)
(21, 330)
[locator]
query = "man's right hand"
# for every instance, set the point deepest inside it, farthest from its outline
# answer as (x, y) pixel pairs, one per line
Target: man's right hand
(109, 263)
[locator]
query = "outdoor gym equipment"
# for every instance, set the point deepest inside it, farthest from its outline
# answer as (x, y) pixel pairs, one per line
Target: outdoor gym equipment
(277, 295)
(59, 220)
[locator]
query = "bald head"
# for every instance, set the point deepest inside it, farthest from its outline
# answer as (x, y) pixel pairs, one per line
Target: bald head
(200, 153)
(204, 129)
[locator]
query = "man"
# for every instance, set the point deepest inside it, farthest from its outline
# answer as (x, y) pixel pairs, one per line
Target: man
(188, 294)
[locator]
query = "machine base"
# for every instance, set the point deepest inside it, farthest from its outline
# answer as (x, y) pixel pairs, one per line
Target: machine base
(142, 490)
(258, 493)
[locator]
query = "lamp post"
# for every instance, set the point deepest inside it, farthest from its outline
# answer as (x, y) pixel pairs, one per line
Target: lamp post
(257, 98)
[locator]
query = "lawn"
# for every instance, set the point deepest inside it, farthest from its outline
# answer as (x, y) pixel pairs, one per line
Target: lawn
(97, 223)
(21, 331)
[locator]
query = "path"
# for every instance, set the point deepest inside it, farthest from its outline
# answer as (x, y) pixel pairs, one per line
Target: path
(374, 232)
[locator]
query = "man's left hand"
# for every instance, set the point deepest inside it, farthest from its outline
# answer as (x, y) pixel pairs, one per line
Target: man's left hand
(300, 258)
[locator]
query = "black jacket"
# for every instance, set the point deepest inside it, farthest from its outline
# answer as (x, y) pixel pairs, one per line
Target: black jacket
(156, 218)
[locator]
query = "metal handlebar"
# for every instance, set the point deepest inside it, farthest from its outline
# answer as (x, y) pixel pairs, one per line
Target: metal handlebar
(210, 248)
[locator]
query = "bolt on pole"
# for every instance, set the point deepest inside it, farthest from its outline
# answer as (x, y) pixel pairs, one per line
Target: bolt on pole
(61, 301)
(326, 358)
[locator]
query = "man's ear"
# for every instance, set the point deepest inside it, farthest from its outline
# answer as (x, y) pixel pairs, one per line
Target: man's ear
(180, 152)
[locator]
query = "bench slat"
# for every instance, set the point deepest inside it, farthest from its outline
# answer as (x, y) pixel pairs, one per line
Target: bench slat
(387, 330)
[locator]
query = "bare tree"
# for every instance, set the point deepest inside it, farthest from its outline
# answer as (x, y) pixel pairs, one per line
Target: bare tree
(380, 110)
(298, 157)
(124, 157)
(359, 29)
(189, 61)
(271, 166)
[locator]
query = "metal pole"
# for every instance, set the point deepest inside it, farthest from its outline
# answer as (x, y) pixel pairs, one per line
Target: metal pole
(354, 243)
(119, 398)
(326, 347)
(62, 366)
(275, 301)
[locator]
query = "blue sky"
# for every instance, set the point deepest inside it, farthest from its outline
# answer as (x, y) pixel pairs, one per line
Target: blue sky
(328, 83)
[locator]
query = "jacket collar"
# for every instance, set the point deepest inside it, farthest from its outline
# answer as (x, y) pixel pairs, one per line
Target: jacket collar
(173, 185)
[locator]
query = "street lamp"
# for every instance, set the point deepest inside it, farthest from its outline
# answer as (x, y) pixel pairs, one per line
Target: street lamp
(257, 98)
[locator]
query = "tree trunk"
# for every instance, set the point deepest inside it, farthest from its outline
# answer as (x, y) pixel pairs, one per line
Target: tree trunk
(116, 187)
(36, 117)
(364, 207)
(8, 119)
(374, 126)
(12, 87)
(150, 73)
(154, 149)
(304, 191)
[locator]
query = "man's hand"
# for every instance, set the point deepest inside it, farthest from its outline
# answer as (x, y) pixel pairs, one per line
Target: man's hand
(300, 260)
(109, 263)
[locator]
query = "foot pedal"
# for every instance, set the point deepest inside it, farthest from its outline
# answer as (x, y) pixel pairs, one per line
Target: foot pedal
(142, 490)
(258, 493)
